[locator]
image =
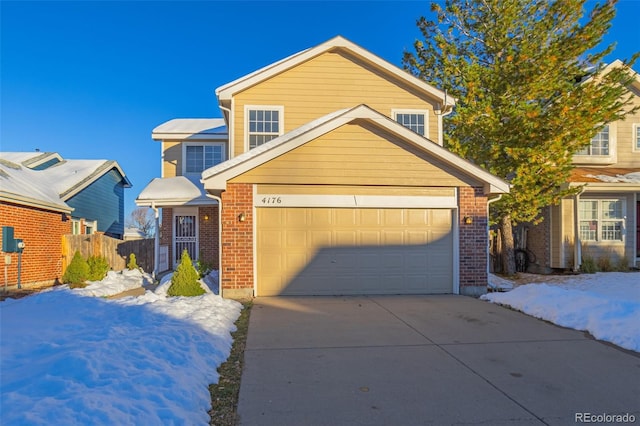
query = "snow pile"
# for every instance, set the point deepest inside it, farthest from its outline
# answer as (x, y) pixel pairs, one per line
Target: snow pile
(496, 283)
(115, 282)
(607, 305)
(72, 359)
(628, 178)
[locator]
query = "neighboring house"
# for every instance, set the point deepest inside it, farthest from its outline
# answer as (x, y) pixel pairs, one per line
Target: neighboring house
(43, 197)
(602, 221)
(327, 175)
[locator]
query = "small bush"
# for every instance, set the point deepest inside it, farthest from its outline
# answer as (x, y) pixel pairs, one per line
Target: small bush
(204, 267)
(622, 265)
(78, 270)
(184, 281)
(98, 268)
(588, 265)
(604, 264)
(132, 262)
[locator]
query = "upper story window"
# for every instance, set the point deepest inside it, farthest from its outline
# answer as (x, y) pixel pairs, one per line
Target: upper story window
(263, 124)
(415, 120)
(636, 136)
(601, 220)
(199, 157)
(599, 144)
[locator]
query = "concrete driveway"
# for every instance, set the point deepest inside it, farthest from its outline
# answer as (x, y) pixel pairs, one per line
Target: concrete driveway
(422, 360)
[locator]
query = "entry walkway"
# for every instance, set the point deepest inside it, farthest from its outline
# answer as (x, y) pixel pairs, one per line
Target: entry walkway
(422, 360)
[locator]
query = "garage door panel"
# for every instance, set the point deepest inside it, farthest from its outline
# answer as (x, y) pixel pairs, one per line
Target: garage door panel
(306, 251)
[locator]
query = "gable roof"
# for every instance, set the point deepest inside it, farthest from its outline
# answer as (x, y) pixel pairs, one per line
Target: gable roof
(22, 182)
(215, 178)
(192, 128)
(226, 92)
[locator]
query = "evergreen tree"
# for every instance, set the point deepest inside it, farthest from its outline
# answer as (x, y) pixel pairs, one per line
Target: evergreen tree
(184, 281)
(518, 70)
(78, 270)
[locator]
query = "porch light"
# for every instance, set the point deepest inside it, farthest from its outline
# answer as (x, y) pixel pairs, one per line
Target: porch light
(206, 217)
(242, 217)
(468, 220)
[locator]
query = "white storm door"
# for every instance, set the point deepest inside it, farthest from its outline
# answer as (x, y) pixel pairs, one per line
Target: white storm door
(185, 236)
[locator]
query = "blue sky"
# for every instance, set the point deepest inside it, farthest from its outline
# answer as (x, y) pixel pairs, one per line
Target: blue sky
(91, 79)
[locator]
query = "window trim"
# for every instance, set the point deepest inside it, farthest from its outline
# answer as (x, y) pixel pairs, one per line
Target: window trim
(248, 108)
(188, 144)
(611, 158)
(635, 137)
(424, 112)
(600, 220)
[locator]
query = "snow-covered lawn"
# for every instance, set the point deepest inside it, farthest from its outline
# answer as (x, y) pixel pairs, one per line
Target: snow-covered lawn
(70, 358)
(607, 305)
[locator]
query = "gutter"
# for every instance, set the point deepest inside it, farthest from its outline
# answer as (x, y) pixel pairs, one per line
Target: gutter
(156, 240)
(577, 244)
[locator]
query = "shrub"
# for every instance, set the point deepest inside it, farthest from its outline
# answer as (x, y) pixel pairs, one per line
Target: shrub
(203, 266)
(78, 270)
(588, 265)
(622, 265)
(132, 262)
(605, 264)
(184, 281)
(98, 268)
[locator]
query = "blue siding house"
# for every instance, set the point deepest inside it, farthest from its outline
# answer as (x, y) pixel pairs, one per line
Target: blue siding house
(94, 189)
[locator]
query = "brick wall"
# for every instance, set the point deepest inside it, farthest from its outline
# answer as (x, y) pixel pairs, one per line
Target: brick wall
(42, 231)
(539, 244)
(237, 241)
(473, 241)
(209, 235)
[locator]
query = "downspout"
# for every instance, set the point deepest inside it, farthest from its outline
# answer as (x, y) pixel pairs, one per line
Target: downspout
(219, 200)
(229, 130)
(577, 244)
(489, 202)
(156, 240)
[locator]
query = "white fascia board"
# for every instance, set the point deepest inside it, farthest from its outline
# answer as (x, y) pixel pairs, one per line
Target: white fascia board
(227, 91)
(607, 186)
(175, 202)
(102, 170)
(32, 202)
(189, 136)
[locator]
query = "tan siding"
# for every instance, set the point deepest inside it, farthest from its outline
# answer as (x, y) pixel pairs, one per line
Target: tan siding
(353, 155)
(627, 156)
(323, 85)
(171, 158)
(568, 234)
(354, 190)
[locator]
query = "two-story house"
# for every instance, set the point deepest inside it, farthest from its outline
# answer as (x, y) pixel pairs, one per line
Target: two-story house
(602, 220)
(326, 176)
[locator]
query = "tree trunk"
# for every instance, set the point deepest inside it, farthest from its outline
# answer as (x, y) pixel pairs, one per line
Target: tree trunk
(508, 252)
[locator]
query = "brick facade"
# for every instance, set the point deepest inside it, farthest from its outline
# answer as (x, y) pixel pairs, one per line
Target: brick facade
(237, 241)
(474, 242)
(42, 231)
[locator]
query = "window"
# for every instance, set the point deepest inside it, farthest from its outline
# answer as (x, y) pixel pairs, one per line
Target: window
(599, 144)
(636, 136)
(415, 120)
(601, 220)
(201, 157)
(263, 124)
(75, 227)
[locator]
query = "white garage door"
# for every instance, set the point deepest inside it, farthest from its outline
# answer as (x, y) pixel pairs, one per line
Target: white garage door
(350, 251)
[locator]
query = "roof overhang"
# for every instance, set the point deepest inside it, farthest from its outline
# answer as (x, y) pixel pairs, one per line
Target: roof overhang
(215, 178)
(227, 91)
(172, 192)
(192, 129)
(97, 174)
(32, 202)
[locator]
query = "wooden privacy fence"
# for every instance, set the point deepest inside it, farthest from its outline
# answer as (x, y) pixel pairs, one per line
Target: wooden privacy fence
(115, 251)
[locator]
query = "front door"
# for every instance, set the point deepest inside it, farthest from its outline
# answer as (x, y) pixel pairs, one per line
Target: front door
(185, 237)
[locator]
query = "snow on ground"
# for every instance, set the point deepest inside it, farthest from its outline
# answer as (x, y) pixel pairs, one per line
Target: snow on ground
(607, 305)
(69, 358)
(116, 282)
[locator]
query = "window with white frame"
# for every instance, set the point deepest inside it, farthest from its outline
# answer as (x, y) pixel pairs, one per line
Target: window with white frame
(415, 120)
(636, 136)
(263, 124)
(202, 156)
(599, 144)
(601, 220)
(76, 227)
